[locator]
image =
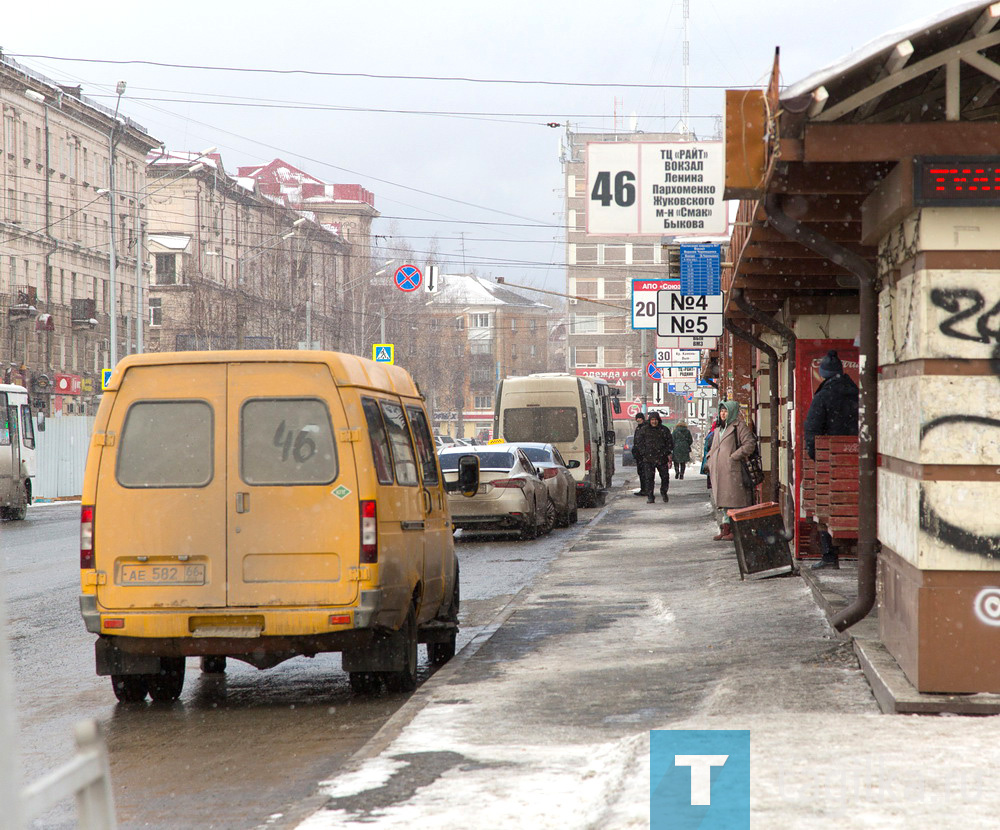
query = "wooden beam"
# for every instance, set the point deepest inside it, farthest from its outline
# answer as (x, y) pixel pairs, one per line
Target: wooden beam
(987, 21)
(845, 143)
(896, 60)
(983, 95)
(791, 267)
(929, 64)
(842, 232)
(793, 250)
(819, 98)
(953, 90)
(827, 179)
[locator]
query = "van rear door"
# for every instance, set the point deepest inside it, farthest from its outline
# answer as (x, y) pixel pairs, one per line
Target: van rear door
(160, 523)
(292, 500)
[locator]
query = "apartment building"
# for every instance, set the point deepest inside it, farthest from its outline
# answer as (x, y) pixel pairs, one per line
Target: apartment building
(600, 340)
(476, 333)
(233, 267)
(56, 294)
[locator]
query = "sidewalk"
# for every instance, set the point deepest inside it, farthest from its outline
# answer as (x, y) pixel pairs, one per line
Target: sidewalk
(644, 624)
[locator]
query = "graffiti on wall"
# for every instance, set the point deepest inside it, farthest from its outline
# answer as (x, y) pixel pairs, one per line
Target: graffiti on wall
(969, 318)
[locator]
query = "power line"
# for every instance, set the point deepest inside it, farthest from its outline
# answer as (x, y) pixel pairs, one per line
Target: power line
(375, 76)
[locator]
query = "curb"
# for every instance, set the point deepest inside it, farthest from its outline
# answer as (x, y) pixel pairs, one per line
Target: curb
(405, 714)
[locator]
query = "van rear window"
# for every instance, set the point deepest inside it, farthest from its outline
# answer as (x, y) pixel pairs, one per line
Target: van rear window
(286, 441)
(166, 444)
(541, 424)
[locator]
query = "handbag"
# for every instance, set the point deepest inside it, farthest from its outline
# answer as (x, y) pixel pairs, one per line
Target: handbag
(751, 467)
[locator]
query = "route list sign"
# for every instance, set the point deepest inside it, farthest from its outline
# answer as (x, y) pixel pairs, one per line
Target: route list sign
(643, 188)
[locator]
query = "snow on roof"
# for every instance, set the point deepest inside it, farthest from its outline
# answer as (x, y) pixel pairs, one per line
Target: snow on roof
(463, 289)
(175, 157)
(175, 242)
(882, 43)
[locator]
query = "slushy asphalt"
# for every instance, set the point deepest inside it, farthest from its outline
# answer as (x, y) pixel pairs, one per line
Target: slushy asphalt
(643, 623)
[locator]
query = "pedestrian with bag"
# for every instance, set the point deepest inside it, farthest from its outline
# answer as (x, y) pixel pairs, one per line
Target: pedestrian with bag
(683, 439)
(733, 442)
(833, 411)
(655, 445)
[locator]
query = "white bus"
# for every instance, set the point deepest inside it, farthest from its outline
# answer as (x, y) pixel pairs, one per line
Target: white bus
(17, 452)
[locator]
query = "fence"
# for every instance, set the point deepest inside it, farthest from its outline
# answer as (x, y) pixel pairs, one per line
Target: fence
(60, 456)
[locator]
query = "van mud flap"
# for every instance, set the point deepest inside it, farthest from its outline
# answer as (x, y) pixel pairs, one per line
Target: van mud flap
(437, 631)
(112, 660)
(386, 651)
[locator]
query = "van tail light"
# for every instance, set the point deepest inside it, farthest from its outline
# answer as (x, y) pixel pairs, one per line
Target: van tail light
(87, 536)
(369, 532)
(520, 483)
(551, 472)
(586, 457)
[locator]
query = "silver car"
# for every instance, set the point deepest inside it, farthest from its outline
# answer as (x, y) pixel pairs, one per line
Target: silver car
(559, 481)
(512, 494)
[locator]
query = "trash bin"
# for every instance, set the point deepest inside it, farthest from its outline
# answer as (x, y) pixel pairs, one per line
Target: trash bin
(761, 540)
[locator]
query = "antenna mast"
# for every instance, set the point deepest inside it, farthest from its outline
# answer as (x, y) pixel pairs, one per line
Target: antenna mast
(686, 93)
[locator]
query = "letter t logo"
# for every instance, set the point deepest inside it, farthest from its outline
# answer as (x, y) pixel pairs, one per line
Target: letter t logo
(701, 775)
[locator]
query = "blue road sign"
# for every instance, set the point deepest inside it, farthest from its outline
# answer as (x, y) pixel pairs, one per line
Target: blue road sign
(408, 278)
(700, 269)
(105, 378)
(653, 371)
(384, 353)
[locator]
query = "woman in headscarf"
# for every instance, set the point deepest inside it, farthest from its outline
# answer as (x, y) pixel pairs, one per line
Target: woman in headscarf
(683, 439)
(733, 442)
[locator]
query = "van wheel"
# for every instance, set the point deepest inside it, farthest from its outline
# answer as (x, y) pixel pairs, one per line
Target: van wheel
(365, 682)
(166, 685)
(130, 688)
(213, 664)
(440, 653)
(17, 514)
(405, 680)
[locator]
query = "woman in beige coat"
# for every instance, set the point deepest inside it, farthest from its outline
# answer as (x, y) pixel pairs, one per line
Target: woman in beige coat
(733, 442)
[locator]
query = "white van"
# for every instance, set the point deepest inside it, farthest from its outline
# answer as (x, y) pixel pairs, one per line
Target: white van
(17, 452)
(565, 411)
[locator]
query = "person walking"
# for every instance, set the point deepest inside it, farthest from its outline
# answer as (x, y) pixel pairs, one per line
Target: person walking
(655, 444)
(683, 439)
(640, 422)
(833, 411)
(732, 443)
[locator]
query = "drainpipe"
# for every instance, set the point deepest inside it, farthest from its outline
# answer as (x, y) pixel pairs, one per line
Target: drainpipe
(788, 336)
(772, 363)
(867, 412)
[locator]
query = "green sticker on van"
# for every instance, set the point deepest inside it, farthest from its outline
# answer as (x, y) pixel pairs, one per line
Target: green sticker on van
(341, 492)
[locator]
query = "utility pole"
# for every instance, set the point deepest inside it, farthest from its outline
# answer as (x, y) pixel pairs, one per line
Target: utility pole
(381, 325)
(139, 310)
(686, 93)
(112, 262)
(642, 381)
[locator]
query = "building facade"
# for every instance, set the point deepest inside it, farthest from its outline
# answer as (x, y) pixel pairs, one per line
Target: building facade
(601, 340)
(235, 268)
(58, 219)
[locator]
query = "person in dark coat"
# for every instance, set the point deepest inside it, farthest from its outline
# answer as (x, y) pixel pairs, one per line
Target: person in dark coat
(655, 444)
(683, 439)
(640, 422)
(833, 411)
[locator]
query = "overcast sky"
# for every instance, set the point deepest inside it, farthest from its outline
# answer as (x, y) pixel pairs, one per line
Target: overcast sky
(463, 170)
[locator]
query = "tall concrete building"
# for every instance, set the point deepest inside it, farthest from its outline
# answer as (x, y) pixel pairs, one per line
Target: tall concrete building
(601, 340)
(56, 295)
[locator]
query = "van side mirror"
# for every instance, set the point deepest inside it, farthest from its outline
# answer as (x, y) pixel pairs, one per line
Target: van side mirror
(616, 406)
(468, 475)
(40, 422)
(610, 436)
(572, 464)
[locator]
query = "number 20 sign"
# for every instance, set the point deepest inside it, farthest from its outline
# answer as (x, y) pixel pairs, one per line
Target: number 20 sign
(644, 300)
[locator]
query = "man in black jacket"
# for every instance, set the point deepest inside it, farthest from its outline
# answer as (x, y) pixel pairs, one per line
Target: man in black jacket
(653, 446)
(833, 411)
(640, 423)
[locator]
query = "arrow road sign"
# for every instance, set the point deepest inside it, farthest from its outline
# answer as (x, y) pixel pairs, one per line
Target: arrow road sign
(408, 278)
(431, 285)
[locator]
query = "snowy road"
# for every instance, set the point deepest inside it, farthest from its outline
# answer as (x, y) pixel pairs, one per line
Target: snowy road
(234, 749)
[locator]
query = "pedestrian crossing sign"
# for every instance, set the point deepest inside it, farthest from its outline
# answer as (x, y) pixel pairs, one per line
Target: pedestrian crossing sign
(384, 353)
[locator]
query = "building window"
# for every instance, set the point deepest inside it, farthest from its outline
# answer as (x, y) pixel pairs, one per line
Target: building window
(155, 311)
(532, 350)
(585, 357)
(586, 288)
(479, 321)
(166, 269)
(460, 323)
(484, 402)
(584, 325)
(480, 347)
(533, 325)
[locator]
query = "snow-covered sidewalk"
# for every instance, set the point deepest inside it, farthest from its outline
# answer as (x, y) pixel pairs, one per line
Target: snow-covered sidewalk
(644, 624)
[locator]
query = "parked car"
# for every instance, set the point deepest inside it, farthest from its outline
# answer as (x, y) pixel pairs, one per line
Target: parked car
(512, 494)
(442, 441)
(628, 460)
(559, 481)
